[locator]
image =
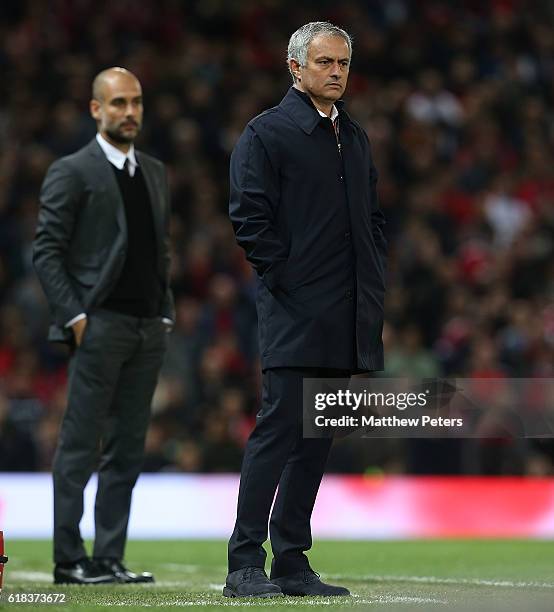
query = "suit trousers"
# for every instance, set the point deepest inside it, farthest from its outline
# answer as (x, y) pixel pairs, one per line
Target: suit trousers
(278, 457)
(112, 377)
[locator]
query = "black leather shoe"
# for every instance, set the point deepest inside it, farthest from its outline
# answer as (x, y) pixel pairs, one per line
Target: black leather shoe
(83, 571)
(120, 573)
(307, 582)
(250, 582)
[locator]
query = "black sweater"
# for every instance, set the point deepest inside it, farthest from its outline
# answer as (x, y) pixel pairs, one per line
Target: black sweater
(138, 291)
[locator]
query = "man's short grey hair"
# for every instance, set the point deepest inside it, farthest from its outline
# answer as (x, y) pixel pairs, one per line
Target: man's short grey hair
(301, 39)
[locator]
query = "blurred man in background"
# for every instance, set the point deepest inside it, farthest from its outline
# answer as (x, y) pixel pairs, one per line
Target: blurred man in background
(102, 258)
(304, 208)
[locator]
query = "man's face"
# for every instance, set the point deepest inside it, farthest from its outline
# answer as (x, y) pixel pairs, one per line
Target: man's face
(119, 109)
(326, 72)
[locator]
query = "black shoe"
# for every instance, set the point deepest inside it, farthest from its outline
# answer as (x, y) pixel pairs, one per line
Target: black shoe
(307, 582)
(250, 582)
(83, 571)
(120, 573)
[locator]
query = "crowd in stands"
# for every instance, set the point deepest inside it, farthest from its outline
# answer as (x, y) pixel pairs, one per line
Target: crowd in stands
(457, 100)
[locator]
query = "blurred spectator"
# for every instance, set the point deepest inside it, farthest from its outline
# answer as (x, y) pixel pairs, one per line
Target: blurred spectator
(457, 99)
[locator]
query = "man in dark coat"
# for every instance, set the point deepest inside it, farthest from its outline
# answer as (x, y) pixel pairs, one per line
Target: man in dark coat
(101, 254)
(304, 208)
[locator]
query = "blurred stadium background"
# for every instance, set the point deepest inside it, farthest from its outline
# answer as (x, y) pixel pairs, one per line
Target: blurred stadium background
(457, 99)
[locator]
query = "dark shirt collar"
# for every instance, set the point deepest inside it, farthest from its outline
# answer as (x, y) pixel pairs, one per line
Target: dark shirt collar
(301, 109)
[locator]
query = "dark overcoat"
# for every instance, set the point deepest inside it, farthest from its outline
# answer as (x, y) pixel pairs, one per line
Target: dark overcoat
(305, 210)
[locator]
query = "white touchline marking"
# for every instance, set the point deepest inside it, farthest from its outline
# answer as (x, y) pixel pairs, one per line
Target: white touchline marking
(31, 576)
(289, 602)
(405, 599)
(181, 567)
(357, 600)
(435, 580)
(46, 577)
(185, 584)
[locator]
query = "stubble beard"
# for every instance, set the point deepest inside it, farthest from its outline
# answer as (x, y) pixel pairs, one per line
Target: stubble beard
(121, 138)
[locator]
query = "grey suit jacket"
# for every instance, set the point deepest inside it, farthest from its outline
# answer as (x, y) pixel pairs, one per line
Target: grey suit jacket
(81, 240)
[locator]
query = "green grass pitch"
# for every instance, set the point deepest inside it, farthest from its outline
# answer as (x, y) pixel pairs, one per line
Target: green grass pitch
(415, 575)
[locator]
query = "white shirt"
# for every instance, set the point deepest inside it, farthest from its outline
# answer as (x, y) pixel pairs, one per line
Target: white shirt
(117, 157)
(334, 113)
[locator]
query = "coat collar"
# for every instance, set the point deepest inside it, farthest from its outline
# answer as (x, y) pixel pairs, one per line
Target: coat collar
(301, 109)
(117, 157)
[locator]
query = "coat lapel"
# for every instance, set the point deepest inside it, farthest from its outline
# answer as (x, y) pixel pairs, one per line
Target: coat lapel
(106, 177)
(155, 190)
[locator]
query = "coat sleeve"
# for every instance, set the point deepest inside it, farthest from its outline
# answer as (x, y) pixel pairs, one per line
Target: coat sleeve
(59, 201)
(254, 198)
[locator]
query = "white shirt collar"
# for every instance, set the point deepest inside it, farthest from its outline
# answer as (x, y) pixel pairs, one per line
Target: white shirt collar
(334, 113)
(117, 157)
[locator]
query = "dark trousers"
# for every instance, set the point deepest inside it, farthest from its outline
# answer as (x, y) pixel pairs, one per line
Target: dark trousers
(112, 377)
(277, 455)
